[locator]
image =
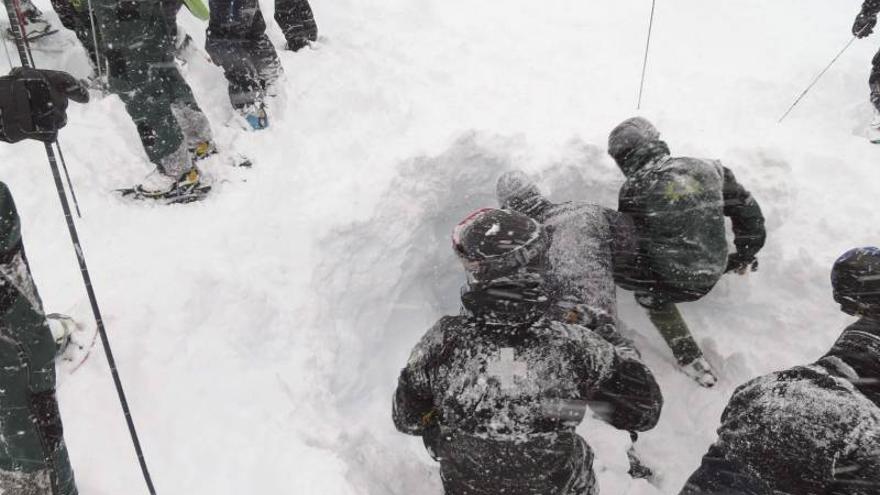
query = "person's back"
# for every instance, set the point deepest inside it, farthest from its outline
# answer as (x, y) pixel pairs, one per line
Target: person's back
(581, 255)
(815, 429)
(789, 432)
(509, 401)
(677, 204)
(497, 394)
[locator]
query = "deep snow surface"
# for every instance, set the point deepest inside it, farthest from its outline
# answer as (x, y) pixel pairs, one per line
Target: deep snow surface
(259, 333)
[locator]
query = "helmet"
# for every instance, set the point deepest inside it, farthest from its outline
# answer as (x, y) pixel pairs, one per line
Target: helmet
(493, 243)
(629, 135)
(855, 280)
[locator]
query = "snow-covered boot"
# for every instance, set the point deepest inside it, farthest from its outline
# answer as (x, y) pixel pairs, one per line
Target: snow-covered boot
(700, 371)
(253, 117)
(74, 341)
(184, 189)
(873, 131)
(62, 327)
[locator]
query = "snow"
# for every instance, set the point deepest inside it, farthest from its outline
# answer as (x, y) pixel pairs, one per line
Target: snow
(259, 333)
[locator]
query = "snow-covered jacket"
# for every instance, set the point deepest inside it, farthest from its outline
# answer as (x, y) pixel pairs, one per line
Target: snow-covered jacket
(678, 205)
(498, 402)
(808, 430)
(587, 242)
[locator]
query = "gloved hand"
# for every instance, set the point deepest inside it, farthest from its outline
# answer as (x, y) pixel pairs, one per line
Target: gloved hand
(431, 433)
(33, 103)
(864, 25)
(741, 264)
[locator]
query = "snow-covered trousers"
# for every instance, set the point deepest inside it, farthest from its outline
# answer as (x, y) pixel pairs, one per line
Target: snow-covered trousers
(138, 41)
(33, 458)
(74, 15)
(297, 22)
(560, 464)
(237, 42)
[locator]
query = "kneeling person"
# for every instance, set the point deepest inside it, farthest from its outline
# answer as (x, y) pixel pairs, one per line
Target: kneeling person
(811, 429)
(497, 394)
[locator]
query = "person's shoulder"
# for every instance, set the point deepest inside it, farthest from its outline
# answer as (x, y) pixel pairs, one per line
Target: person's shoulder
(801, 392)
(437, 336)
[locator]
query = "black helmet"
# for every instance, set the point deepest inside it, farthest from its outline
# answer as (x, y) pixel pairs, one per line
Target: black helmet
(493, 243)
(855, 280)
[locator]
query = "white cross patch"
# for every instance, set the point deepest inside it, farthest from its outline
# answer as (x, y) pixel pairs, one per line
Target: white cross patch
(506, 368)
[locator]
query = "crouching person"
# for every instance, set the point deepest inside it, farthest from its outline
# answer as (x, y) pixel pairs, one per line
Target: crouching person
(812, 429)
(678, 205)
(497, 393)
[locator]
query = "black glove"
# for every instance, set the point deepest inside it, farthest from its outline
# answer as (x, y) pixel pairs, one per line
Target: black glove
(864, 25)
(741, 264)
(33, 103)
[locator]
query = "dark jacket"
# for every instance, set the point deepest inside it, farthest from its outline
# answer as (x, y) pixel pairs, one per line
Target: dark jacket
(502, 399)
(808, 430)
(678, 206)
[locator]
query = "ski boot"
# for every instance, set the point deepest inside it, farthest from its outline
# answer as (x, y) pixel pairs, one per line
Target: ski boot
(35, 27)
(74, 342)
(185, 189)
(700, 371)
(253, 117)
(873, 132)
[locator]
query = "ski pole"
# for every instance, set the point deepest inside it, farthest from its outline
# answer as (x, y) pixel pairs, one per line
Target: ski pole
(816, 80)
(647, 50)
(16, 19)
(67, 176)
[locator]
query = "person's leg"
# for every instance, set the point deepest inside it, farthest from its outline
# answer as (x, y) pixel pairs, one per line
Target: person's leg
(669, 322)
(237, 42)
(297, 22)
(138, 42)
(32, 450)
(74, 15)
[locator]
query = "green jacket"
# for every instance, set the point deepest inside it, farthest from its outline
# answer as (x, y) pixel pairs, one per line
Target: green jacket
(678, 206)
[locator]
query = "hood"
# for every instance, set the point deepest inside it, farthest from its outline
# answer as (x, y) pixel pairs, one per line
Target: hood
(634, 143)
(516, 301)
(515, 191)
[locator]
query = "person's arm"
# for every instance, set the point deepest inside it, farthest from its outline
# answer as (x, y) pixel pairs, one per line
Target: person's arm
(626, 396)
(747, 219)
(413, 410)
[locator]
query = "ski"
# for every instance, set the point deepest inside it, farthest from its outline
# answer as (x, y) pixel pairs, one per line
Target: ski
(32, 36)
